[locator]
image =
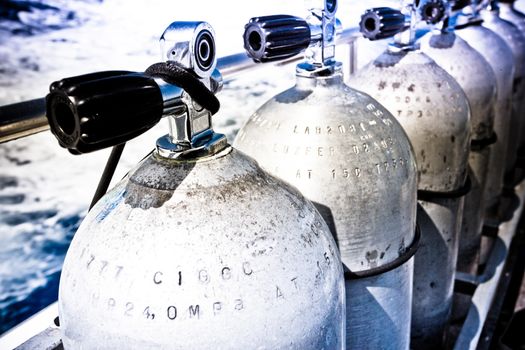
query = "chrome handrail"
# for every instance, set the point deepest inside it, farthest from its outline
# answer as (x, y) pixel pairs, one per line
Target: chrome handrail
(27, 118)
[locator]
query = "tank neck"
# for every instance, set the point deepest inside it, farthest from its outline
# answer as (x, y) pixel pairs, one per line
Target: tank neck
(311, 81)
(309, 70)
(406, 40)
(506, 6)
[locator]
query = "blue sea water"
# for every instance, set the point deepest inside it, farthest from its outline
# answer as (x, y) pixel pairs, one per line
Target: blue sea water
(33, 239)
(15, 310)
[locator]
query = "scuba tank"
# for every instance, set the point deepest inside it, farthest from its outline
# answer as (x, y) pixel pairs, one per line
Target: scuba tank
(197, 247)
(347, 154)
(477, 79)
(516, 41)
(508, 12)
(499, 55)
(433, 110)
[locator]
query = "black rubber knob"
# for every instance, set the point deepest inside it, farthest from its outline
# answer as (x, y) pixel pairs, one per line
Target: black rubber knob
(432, 11)
(99, 110)
(271, 38)
(457, 5)
(381, 22)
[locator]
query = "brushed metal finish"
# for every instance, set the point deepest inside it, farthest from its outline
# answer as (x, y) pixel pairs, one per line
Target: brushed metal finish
(474, 212)
(478, 81)
(372, 300)
(499, 55)
(434, 111)
(516, 41)
(431, 107)
(199, 254)
(347, 154)
(434, 270)
(509, 13)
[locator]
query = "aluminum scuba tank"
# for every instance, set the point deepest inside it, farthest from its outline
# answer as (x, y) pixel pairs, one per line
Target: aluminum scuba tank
(516, 41)
(347, 154)
(196, 248)
(508, 12)
(478, 81)
(433, 110)
(499, 55)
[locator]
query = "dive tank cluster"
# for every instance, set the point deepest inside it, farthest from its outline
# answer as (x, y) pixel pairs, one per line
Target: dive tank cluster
(342, 212)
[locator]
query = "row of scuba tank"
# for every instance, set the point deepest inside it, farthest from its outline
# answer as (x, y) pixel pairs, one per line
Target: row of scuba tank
(302, 235)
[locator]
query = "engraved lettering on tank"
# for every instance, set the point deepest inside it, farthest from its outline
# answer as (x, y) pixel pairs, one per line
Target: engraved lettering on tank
(103, 265)
(217, 307)
(172, 312)
(95, 297)
(294, 280)
(327, 258)
(387, 121)
(203, 276)
(129, 309)
(148, 314)
(246, 268)
(90, 260)
(194, 311)
(320, 272)
(118, 270)
(226, 273)
(157, 277)
(278, 293)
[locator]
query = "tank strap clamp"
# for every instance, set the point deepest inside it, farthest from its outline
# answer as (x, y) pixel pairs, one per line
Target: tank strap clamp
(471, 22)
(404, 257)
(432, 195)
(478, 145)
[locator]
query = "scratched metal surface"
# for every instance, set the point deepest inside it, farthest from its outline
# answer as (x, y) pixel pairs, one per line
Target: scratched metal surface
(515, 39)
(477, 79)
(202, 254)
(499, 56)
(434, 111)
(347, 154)
(431, 107)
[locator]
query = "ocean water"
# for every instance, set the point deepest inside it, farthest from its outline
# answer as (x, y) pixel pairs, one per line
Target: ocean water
(45, 191)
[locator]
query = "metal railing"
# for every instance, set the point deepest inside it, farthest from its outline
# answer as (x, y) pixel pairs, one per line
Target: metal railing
(28, 118)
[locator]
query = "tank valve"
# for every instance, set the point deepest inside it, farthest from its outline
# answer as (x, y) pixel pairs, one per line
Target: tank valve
(276, 37)
(382, 22)
(273, 38)
(433, 11)
(99, 110)
(385, 22)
